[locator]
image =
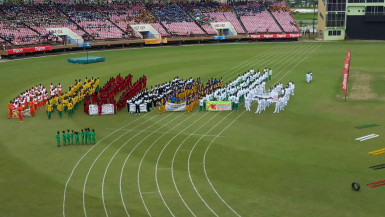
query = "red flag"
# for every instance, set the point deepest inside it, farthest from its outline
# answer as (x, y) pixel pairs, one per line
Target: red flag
(345, 75)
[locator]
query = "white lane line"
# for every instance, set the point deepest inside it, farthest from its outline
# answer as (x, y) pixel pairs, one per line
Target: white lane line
(128, 156)
(204, 166)
(368, 137)
(188, 164)
(149, 131)
(175, 153)
(364, 137)
(141, 162)
(124, 144)
(304, 48)
(93, 163)
(208, 147)
(260, 59)
(125, 161)
(172, 171)
(303, 58)
(76, 165)
(173, 159)
(160, 154)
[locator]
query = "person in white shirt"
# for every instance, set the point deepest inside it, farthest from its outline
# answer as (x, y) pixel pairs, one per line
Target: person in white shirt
(259, 108)
(247, 103)
(276, 110)
(137, 106)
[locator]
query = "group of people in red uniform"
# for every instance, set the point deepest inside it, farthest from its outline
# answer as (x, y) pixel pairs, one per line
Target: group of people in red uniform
(106, 95)
(136, 88)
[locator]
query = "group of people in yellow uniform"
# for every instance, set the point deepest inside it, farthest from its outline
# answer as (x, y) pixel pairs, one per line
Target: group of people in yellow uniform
(70, 100)
(190, 94)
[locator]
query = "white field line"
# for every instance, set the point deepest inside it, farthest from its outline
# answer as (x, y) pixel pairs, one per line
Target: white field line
(125, 161)
(160, 154)
(188, 165)
(363, 137)
(292, 59)
(166, 132)
(93, 163)
(204, 165)
(175, 153)
(120, 184)
(141, 162)
(245, 65)
(173, 159)
(369, 137)
(121, 174)
(206, 135)
(172, 167)
(76, 165)
(208, 147)
(303, 58)
(108, 165)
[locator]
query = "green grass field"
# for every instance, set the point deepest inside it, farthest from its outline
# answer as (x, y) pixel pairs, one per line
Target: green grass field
(300, 162)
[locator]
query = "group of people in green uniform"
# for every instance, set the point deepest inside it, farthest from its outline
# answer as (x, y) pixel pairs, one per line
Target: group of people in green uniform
(85, 136)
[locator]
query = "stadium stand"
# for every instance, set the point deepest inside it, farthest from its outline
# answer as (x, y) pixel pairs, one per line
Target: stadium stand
(256, 18)
(175, 19)
(26, 24)
(124, 16)
(282, 13)
(93, 22)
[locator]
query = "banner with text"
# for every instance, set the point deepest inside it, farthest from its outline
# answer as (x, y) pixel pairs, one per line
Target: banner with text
(273, 36)
(345, 74)
(218, 105)
(175, 107)
(142, 108)
(155, 41)
(28, 49)
(107, 109)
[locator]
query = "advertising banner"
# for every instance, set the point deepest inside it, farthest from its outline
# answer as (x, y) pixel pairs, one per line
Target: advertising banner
(218, 105)
(155, 41)
(85, 44)
(26, 113)
(273, 36)
(107, 109)
(219, 37)
(142, 108)
(345, 74)
(175, 107)
(29, 49)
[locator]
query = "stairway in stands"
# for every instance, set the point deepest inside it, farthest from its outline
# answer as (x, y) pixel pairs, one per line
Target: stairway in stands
(164, 27)
(275, 20)
(192, 18)
(73, 21)
(239, 20)
(109, 20)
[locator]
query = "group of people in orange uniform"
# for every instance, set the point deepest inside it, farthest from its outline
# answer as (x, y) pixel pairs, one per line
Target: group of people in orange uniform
(30, 99)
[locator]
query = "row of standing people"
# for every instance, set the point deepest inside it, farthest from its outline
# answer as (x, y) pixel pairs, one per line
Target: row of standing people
(85, 136)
